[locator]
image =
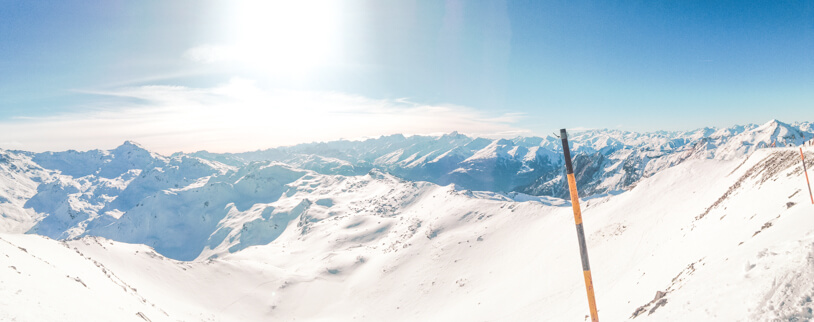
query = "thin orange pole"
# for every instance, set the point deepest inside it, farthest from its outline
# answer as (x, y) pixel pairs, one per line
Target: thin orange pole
(803, 157)
(583, 248)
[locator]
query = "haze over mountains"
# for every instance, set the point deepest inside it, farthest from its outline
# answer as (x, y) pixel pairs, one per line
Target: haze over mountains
(442, 228)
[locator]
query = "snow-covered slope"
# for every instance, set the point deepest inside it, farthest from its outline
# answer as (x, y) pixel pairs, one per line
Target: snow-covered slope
(86, 190)
(705, 240)
(180, 223)
(45, 280)
(19, 179)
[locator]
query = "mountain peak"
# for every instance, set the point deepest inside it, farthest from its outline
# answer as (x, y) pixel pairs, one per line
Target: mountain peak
(775, 125)
(130, 145)
(776, 122)
(453, 135)
(131, 149)
(394, 136)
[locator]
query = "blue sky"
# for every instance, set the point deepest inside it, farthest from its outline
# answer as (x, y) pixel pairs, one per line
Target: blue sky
(242, 75)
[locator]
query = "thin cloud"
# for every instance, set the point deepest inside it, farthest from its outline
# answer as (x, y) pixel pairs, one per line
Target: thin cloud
(209, 54)
(238, 116)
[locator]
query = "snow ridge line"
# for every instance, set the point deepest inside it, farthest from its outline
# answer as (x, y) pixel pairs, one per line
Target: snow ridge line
(110, 275)
(769, 166)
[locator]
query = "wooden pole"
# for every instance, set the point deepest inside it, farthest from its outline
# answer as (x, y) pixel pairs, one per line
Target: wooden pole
(803, 157)
(583, 248)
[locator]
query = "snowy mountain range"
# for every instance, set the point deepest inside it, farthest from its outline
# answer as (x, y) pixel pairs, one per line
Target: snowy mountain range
(465, 228)
(187, 203)
(609, 160)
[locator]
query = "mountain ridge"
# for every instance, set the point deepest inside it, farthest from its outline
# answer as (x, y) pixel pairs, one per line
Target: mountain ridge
(531, 162)
(131, 194)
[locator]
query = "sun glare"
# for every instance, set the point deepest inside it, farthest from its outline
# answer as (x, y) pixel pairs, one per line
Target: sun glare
(291, 37)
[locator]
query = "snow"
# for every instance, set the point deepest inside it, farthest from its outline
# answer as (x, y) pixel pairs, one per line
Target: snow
(19, 179)
(706, 238)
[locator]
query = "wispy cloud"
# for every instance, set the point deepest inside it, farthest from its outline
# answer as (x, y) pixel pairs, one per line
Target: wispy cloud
(212, 54)
(238, 116)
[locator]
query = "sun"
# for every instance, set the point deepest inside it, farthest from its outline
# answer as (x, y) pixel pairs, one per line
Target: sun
(293, 37)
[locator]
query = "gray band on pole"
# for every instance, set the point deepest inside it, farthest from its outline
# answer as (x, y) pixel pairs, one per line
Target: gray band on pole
(583, 248)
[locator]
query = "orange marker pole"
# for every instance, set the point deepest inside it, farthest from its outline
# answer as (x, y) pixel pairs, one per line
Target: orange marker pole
(583, 248)
(803, 157)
